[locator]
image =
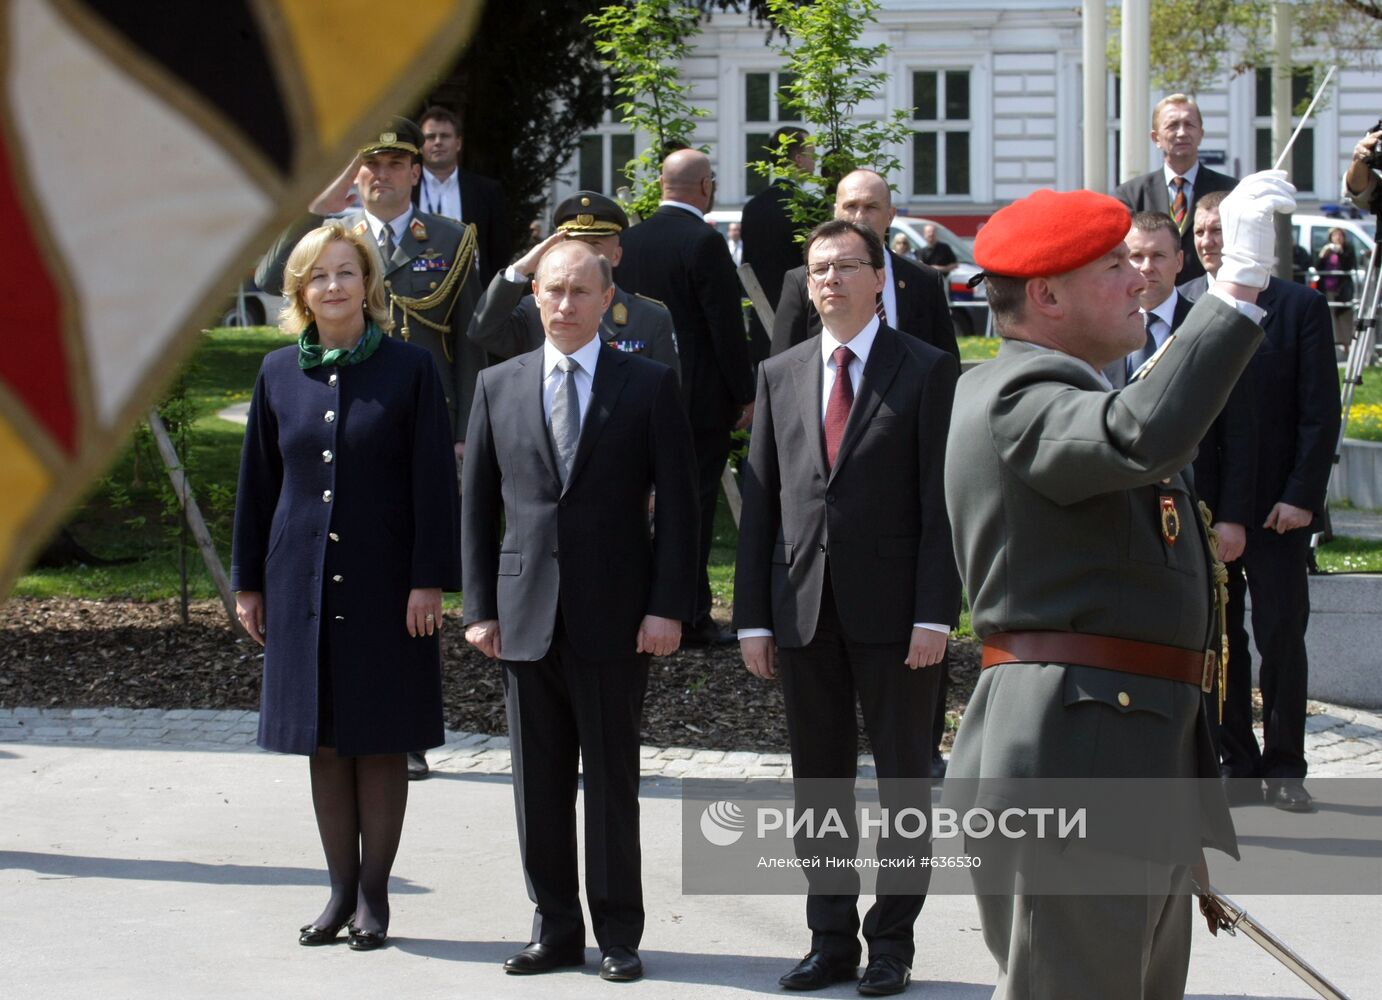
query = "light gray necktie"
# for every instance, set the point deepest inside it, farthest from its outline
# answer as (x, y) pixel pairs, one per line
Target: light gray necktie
(386, 244)
(566, 418)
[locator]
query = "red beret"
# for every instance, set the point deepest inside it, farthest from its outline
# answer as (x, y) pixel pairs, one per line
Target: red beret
(1051, 232)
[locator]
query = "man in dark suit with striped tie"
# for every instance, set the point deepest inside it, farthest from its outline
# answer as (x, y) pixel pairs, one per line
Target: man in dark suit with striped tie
(1177, 130)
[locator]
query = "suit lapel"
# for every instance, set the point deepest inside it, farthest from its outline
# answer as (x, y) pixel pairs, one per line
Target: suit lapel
(809, 377)
(529, 377)
(611, 372)
(884, 359)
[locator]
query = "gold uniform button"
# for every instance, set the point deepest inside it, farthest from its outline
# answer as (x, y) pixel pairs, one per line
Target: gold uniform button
(388, 283)
(327, 456)
(329, 416)
(1123, 699)
(337, 578)
(333, 536)
(431, 284)
(326, 496)
(332, 379)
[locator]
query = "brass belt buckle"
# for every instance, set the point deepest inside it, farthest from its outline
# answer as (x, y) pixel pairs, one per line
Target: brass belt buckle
(1207, 677)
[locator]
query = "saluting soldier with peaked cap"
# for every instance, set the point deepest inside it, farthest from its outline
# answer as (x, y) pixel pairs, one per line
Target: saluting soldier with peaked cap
(1091, 579)
(430, 277)
(507, 322)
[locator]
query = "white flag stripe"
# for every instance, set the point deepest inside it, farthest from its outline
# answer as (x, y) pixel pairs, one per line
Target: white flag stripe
(145, 209)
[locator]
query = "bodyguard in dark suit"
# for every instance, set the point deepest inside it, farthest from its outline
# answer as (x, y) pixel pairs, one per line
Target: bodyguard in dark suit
(1177, 130)
(845, 585)
(1296, 384)
(913, 296)
(507, 322)
(770, 235)
(468, 198)
(675, 258)
(564, 585)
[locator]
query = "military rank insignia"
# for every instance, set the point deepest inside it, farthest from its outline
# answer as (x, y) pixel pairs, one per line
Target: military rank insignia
(418, 230)
(360, 227)
(620, 312)
(1170, 520)
(629, 346)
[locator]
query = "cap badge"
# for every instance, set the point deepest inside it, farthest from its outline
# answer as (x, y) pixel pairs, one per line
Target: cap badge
(388, 136)
(585, 201)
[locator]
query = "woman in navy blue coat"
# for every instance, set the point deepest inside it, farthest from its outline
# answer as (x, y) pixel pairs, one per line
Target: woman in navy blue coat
(346, 533)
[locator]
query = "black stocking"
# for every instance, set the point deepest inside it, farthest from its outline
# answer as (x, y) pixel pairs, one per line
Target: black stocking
(333, 800)
(381, 796)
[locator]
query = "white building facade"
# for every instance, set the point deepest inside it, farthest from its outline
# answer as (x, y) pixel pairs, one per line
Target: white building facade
(994, 95)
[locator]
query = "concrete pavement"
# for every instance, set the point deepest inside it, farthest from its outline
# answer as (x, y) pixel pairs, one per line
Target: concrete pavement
(159, 855)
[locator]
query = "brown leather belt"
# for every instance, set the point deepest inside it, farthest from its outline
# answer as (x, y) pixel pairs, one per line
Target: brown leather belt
(1128, 656)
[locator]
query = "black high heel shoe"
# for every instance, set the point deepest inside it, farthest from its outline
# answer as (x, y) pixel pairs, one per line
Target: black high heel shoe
(361, 940)
(312, 935)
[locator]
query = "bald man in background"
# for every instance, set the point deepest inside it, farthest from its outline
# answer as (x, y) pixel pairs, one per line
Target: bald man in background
(675, 258)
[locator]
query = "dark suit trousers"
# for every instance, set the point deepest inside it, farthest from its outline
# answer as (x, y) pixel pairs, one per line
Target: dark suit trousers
(1275, 568)
(712, 452)
(564, 709)
(820, 684)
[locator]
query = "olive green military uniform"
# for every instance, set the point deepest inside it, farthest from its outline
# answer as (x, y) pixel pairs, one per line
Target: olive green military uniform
(431, 286)
(507, 323)
(1059, 493)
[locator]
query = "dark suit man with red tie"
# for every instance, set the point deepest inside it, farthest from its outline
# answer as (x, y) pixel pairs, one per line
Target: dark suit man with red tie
(1177, 130)
(846, 585)
(565, 584)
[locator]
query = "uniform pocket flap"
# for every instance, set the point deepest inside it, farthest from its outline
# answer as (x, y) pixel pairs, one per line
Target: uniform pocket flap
(510, 563)
(782, 553)
(1118, 690)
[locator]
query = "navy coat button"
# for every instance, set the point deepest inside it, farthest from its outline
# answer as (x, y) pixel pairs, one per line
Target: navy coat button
(333, 536)
(326, 496)
(332, 379)
(329, 416)
(337, 578)
(340, 618)
(327, 456)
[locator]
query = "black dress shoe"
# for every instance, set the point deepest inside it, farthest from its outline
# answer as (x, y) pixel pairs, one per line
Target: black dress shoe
(706, 633)
(885, 976)
(1290, 797)
(621, 964)
(361, 940)
(819, 970)
(312, 935)
(417, 766)
(539, 957)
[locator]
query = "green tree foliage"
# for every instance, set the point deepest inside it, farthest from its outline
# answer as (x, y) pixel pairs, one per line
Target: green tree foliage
(1194, 43)
(832, 75)
(643, 43)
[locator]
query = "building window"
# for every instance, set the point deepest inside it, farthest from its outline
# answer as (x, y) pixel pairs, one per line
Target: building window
(1303, 152)
(941, 140)
(603, 154)
(765, 110)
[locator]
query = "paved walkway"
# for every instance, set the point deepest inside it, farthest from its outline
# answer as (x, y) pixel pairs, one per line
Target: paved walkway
(1339, 741)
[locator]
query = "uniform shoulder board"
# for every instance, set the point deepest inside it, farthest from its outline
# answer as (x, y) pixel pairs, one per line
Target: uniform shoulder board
(360, 227)
(418, 229)
(649, 298)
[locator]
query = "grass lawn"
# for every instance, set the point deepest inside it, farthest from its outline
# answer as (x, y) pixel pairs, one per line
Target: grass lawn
(1350, 555)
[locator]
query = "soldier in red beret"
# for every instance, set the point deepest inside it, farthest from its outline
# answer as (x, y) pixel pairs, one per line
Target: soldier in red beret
(1091, 582)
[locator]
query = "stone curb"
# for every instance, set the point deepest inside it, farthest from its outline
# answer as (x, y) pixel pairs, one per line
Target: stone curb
(1339, 741)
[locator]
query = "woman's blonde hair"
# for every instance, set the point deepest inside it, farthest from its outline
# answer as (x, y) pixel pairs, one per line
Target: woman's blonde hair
(295, 318)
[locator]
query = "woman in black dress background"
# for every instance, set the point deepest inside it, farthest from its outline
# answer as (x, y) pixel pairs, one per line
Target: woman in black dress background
(346, 533)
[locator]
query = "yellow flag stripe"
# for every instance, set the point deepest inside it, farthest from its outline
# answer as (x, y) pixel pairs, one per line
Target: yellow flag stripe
(343, 57)
(23, 483)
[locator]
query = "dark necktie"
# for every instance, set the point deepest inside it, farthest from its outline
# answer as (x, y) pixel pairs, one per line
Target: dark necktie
(1138, 358)
(386, 243)
(1178, 205)
(566, 418)
(837, 407)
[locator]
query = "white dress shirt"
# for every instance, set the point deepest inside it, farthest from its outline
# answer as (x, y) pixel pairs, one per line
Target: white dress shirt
(859, 346)
(399, 226)
(441, 197)
(682, 205)
(586, 358)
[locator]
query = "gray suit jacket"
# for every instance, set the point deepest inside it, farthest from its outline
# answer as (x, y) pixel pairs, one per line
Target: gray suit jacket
(507, 323)
(1055, 488)
(877, 518)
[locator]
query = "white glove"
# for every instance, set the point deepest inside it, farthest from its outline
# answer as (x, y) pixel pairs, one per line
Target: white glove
(1248, 219)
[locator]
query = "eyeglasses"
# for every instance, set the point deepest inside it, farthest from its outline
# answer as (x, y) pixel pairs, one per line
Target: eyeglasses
(844, 267)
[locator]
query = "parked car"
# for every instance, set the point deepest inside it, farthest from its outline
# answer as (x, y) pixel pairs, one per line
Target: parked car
(1312, 231)
(251, 307)
(968, 306)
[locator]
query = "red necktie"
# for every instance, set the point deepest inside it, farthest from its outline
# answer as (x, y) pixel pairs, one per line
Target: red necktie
(1178, 206)
(837, 408)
